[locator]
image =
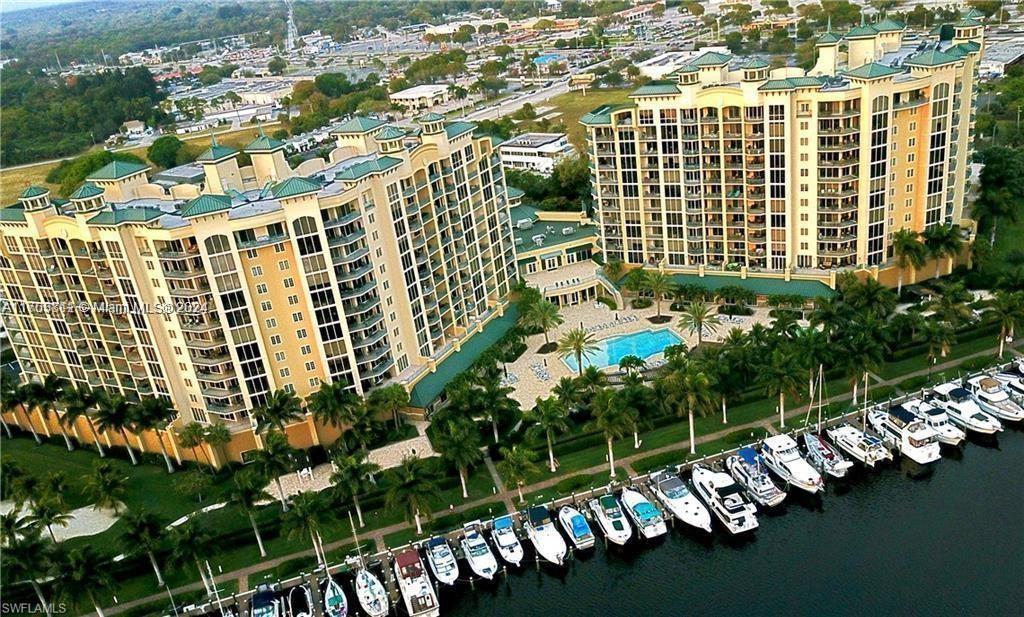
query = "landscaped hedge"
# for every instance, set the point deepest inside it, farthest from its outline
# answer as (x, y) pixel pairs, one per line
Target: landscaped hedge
(735, 309)
(610, 303)
(968, 333)
(913, 384)
(641, 303)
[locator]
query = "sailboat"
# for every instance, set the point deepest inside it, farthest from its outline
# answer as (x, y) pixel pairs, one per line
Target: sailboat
(370, 593)
(335, 602)
(821, 454)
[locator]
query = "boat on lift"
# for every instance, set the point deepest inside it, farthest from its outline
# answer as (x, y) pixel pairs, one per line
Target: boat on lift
(864, 448)
(994, 398)
(609, 517)
(646, 517)
(576, 527)
(937, 419)
(506, 541)
(548, 543)
(780, 454)
(907, 433)
(748, 469)
(673, 493)
(963, 410)
(478, 554)
(725, 499)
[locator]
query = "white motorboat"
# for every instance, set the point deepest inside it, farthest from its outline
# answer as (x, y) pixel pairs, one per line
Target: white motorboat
(781, 455)
(907, 433)
(372, 596)
(335, 602)
(963, 410)
(442, 561)
(478, 555)
(264, 603)
(673, 493)
(935, 417)
(749, 470)
(609, 517)
(994, 399)
(1014, 384)
(647, 518)
(576, 527)
(725, 499)
(864, 448)
(824, 456)
(417, 591)
(506, 541)
(548, 543)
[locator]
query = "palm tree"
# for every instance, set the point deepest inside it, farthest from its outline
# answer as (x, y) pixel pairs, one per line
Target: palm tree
(815, 351)
(144, 533)
(493, 402)
(411, 486)
(516, 465)
(309, 510)
(1002, 185)
(870, 297)
(106, 487)
(47, 512)
(56, 485)
(614, 421)
(192, 543)
(192, 436)
(13, 399)
(593, 380)
(392, 399)
(942, 241)
(949, 306)
(688, 389)
(273, 461)
(83, 573)
(829, 313)
(246, 492)
(11, 526)
(78, 402)
(579, 343)
(114, 413)
(568, 392)
(909, 253)
(363, 424)
(782, 375)
(281, 408)
(28, 557)
(1008, 309)
(659, 285)
(636, 281)
(632, 364)
(153, 414)
(542, 315)
(331, 404)
(863, 350)
(938, 337)
(43, 396)
(727, 380)
(217, 435)
(548, 417)
(353, 477)
(697, 317)
(457, 440)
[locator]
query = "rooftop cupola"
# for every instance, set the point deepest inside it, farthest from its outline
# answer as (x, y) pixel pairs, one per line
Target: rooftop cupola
(88, 198)
(268, 162)
(969, 30)
(220, 164)
(390, 139)
(755, 69)
(35, 198)
(433, 123)
(827, 47)
(862, 45)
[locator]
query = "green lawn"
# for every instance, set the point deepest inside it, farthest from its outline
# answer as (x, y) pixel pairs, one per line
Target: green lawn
(573, 105)
(1009, 240)
(917, 363)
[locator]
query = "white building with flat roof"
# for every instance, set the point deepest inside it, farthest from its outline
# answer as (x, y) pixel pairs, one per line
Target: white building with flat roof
(420, 97)
(536, 152)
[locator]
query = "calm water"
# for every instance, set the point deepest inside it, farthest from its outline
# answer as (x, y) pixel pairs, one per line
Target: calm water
(643, 345)
(948, 543)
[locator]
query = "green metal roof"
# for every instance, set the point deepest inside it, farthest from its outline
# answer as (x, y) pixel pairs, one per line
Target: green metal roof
(294, 186)
(968, 23)
(791, 82)
(358, 124)
(368, 167)
(971, 46)
(430, 387)
(755, 63)
(12, 214)
(829, 38)
(454, 129)
(603, 114)
(689, 68)
(216, 152)
(957, 51)
(890, 25)
(656, 89)
(87, 191)
(430, 117)
(115, 170)
(206, 204)
(389, 133)
(264, 144)
(861, 32)
(33, 191)
(974, 14)
(806, 82)
(711, 58)
(760, 286)
(514, 193)
(932, 57)
(776, 84)
(126, 215)
(872, 70)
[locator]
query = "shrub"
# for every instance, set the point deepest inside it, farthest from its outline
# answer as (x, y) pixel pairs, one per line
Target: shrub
(605, 300)
(913, 384)
(734, 309)
(574, 483)
(881, 393)
(641, 303)
(976, 364)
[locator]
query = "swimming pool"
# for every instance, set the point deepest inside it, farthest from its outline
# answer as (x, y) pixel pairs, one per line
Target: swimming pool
(642, 344)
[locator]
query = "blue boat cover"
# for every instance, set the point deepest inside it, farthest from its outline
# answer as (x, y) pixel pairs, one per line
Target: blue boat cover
(748, 455)
(580, 527)
(435, 542)
(903, 413)
(646, 511)
(504, 522)
(539, 515)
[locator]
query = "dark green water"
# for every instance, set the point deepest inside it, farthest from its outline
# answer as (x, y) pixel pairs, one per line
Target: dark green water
(950, 542)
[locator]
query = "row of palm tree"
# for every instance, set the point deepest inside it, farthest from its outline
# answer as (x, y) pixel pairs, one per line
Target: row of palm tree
(912, 249)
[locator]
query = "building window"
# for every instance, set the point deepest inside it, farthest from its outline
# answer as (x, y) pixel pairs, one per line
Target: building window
(283, 265)
(271, 323)
(289, 283)
(266, 306)
(257, 270)
(261, 288)
(279, 356)
(275, 339)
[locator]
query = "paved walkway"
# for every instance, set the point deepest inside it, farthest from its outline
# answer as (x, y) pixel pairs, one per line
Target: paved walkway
(509, 496)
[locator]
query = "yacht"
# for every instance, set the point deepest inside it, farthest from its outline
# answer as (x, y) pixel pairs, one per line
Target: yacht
(1014, 384)
(417, 592)
(909, 434)
(610, 519)
(576, 527)
(749, 471)
(866, 449)
(372, 596)
(264, 603)
(673, 493)
(824, 456)
(963, 410)
(725, 499)
(780, 454)
(335, 602)
(935, 417)
(442, 561)
(545, 537)
(506, 541)
(994, 399)
(647, 518)
(478, 555)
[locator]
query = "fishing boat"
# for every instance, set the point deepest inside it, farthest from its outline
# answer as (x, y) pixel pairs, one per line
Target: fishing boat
(994, 399)
(673, 493)
(824, 456)
(748, 469)
(907, 433)
(610, 519)
(647, 518)
(264, 603)
(937, 419)
(300, 601)
(372, 596)
(780, 454)
(576, 527)
(963, 410)
(335, 602)
(725, 499)
(442, 561)
(549, 544)
(864, 448)
(478, 555)
(417, 592)
(506, 541)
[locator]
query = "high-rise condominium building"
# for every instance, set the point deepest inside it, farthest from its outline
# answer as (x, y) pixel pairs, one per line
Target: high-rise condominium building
(734, 165)
(365, 268)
